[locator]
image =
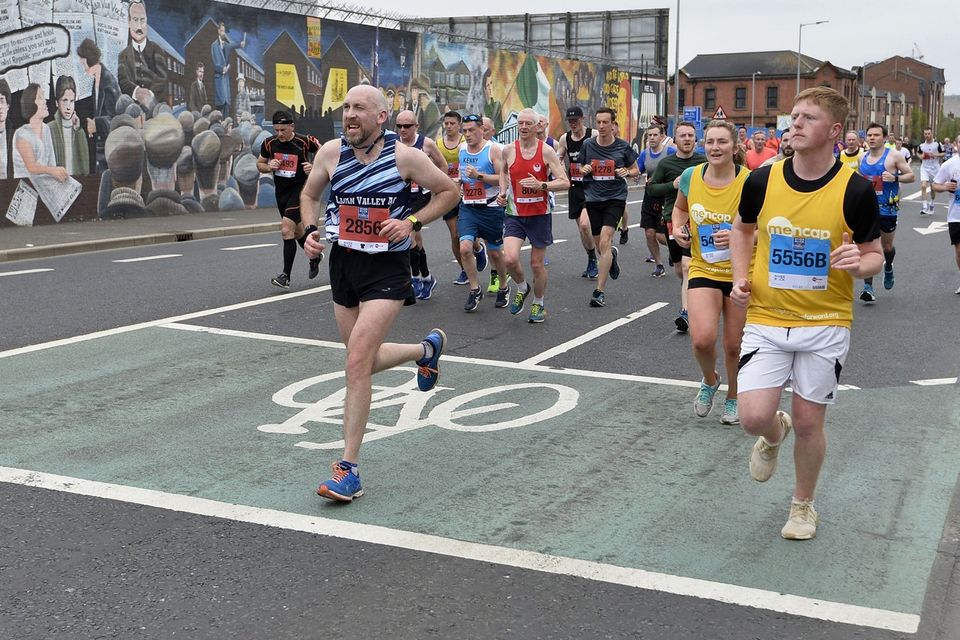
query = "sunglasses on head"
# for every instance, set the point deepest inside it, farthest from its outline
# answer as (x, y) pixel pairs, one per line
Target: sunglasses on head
(473, 118)
(406, 126)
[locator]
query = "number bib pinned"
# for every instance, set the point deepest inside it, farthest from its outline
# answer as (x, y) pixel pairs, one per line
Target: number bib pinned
(708, 250)
(360, 228)
(474, 192)
(575, 174)
(604, 169)
(288, 165)
(799, 263)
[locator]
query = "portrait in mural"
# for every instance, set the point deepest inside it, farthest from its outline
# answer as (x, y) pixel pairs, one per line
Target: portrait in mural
(159, 107)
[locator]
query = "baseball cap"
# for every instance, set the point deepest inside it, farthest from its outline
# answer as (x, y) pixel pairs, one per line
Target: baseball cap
(282, 117)
(574, 112)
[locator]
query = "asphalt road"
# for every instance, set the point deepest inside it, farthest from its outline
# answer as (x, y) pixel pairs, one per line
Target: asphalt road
(81, 567)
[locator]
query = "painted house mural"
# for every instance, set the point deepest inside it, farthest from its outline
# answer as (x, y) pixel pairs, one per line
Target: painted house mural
(159, 107)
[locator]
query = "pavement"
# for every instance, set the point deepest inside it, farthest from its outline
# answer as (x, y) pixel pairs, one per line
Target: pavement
(49, 240)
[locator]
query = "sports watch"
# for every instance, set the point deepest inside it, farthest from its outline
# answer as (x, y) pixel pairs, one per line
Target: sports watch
(417, 225)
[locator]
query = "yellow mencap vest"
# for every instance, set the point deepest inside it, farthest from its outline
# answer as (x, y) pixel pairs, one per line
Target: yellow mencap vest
(851, 161)
(711, 209)
(793, 284)
(451, 156)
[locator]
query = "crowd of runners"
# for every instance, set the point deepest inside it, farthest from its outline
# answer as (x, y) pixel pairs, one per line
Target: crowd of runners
(766, 236)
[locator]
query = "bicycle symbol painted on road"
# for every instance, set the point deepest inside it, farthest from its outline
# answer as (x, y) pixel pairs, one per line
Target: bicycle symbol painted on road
(449, 414)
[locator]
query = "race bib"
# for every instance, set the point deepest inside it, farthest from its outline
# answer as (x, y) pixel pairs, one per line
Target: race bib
(453, 170)
(474, 192)
(360, 228)
(604, 169)
(708, 249)
(529, 195)
(575, 174)
(877, 182)
(288, 165)
(799, 263)
(414, 187)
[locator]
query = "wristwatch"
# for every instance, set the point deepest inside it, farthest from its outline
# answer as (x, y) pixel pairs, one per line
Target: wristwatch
(417, 225)
(543, 186)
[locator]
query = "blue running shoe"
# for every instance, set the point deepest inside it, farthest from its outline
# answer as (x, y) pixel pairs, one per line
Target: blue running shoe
(429, 371)
(867, 294)
(593, 270)
(614, 263)
(888, 276)
(427, 286)
(682, 321)
(537, 314)
(462, 278)
(344, 486)
(481, 257)
(417, 285)
(519, 299)
(703, 403)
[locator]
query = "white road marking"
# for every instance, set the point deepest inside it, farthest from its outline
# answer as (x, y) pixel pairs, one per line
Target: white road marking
(145, 258)
(934, 381)
(935, 227)
(249, 246)
(155, 323)
(23, 272)
(505, 556)
(911, 196)
(526, 247)
(590, 335)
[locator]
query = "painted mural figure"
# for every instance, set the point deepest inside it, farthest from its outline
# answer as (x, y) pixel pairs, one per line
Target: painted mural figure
(4, 111)
(243, 97)
(33, 143)
(492, 108)
(220, 50)
(69, 138)
(198, 92)
(106, 92)
(426, 110)
(140, 67)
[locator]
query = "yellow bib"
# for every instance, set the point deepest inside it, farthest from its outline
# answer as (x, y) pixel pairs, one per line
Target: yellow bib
(711, 209)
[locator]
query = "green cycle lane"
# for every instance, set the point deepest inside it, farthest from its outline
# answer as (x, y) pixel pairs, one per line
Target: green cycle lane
(606, 470)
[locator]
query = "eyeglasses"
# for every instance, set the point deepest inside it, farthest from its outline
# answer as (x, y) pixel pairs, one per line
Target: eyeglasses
(406, 126)
(473, 118)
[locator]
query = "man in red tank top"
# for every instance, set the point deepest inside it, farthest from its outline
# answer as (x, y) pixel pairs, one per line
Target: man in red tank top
(527, 164)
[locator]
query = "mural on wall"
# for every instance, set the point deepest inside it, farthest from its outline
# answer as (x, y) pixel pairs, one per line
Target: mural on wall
(113, 108)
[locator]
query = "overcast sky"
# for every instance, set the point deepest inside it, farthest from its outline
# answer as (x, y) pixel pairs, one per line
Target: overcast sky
(857, 32)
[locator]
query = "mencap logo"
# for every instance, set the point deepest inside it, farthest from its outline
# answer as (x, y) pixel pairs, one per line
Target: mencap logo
(783, 227)
(698, 213)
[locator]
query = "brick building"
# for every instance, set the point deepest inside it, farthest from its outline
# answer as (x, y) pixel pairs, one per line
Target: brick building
(727, 80)
(894, 87)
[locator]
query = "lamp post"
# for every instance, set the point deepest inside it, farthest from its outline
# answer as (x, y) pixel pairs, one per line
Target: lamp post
(753, 94)
(799, 41)
(676, 70)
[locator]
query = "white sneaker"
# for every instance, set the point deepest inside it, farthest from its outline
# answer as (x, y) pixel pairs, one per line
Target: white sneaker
(957, 291)
(730, 415)
(763, 458)
(802, 523)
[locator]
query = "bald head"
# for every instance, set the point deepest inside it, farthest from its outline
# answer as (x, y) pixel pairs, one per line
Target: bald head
(406, 117)
(369, 94)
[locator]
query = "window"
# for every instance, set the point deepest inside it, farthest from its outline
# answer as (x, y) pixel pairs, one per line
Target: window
(683, 98)
(740, 98)
(773, 97)
(709, 99)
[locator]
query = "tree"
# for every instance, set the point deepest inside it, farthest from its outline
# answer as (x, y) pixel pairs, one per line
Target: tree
(918, 122)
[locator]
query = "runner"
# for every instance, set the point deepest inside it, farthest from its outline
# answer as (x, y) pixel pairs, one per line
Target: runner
(930, 152)
(369, 224)
(568, 148)
(527, 164)
(288, 156)
(665, 184)
(885, 169)
(852, 152)
(480, 215)
(607, 161)
(449, 145)
(489, 134)
(708, 199)
(760, 152)
(651, 209)
(422, 280)
(786, 151)
(946, 181)
(799, 310)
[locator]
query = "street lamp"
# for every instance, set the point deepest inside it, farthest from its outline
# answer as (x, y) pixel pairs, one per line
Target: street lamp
(799, 40)
(753, 94)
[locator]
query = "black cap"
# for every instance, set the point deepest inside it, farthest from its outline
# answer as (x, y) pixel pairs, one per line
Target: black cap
(574, 112)
(282, 117)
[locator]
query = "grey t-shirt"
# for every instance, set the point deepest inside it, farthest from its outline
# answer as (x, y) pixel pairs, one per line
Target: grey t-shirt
(603, 183)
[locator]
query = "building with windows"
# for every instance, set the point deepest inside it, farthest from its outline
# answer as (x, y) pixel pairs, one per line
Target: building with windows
(894, 87)
(757, 86)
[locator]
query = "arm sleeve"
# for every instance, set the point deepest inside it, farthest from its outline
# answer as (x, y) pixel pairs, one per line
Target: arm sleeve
(640, 162)
(265, 149)
(753, 194)
(657, 187)
(685, 178)
(629, 156)
(860, 210)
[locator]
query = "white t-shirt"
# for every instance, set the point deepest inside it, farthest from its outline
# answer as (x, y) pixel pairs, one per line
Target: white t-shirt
(929, 148)
(950, 170)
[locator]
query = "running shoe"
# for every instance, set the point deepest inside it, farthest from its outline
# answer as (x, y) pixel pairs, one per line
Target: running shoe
(650, 259)
(587, 270)
(427, 285)
(704, 400)
(481, 257)
(462, 278)
(682, 321)
(344, 486)
(537, 313)
(502, 295)
(729, 415)
(659, 272)
(624, 236)
(428, 371)
(519, 299)
(888, 276)
(473, 300)
(597, 299)
(314, 269)
(614, 263)
(763, 458)
(867, 294)
(593, 269)
(417, 285)
(957, 291)
(802, 523)
(281, 280)
(494, 285)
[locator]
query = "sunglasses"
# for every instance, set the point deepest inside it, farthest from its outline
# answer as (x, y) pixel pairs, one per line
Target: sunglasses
(473, 118)
(406, 126)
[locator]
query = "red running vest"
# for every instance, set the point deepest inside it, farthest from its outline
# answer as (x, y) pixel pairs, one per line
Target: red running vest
(529, 202)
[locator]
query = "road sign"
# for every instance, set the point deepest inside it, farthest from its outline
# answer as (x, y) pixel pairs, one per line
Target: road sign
(692, 114)
(719, 114)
